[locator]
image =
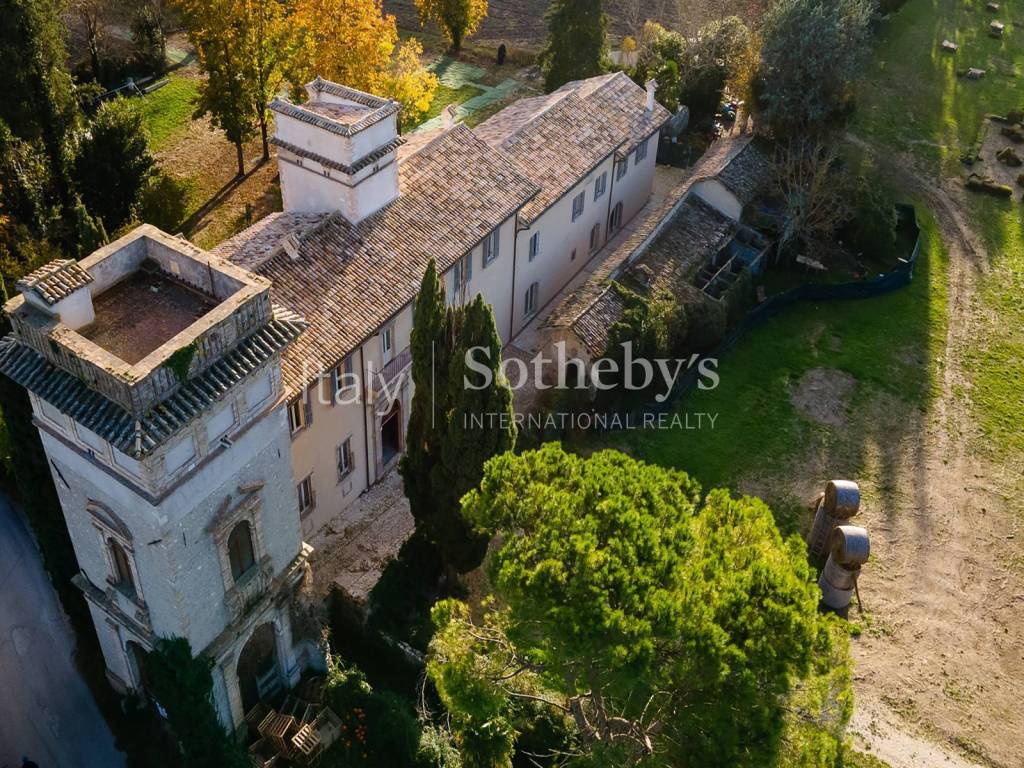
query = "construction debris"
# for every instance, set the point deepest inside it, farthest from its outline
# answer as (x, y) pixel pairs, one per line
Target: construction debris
(949, 46)
(992, 7)
(974, 73)
(995, 29)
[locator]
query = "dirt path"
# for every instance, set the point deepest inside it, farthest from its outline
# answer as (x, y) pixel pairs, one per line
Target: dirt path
(939, 661)
(944, 655)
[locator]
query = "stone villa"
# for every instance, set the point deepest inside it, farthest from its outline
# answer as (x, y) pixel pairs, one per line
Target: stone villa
(512, 210)
(197, 432)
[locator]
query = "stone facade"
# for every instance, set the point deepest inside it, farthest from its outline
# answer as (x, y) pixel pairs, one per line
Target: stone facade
(193, 532)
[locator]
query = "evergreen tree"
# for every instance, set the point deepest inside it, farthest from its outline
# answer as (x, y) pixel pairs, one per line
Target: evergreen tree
(467, 445)
(37, 94)
(114, 162)
(445, 452)
(431, 351)
(184, 687)
(577, 45)
(89, 231)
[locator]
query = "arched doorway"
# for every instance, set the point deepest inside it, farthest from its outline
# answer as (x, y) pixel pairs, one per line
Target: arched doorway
(616, 220)
(259, 674)
(391, 433)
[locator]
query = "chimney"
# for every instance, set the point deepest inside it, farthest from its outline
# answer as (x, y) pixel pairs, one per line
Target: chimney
(448, 116)
(337, 151)
(652, 86)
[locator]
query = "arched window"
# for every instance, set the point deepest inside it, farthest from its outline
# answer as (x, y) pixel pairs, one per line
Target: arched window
(122, 568)
(240, 551)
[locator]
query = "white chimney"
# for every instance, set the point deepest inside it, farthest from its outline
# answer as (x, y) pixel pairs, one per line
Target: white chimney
(652, 87)
(448, 116)
(337, 151)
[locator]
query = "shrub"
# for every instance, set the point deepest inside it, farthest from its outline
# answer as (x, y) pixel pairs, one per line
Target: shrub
(163, 202)
(378, 728)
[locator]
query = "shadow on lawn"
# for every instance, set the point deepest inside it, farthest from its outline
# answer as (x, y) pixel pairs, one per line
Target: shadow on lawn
(763, 444)
(218, 197)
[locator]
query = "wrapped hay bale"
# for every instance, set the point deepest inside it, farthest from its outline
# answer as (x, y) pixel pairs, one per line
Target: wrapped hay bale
(850, 549)
(839, 503)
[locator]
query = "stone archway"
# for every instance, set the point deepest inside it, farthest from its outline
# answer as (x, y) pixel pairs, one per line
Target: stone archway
(259, 670)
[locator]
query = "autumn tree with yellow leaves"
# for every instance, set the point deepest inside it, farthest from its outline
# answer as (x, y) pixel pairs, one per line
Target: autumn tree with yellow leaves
(355, 43)
(458, 19)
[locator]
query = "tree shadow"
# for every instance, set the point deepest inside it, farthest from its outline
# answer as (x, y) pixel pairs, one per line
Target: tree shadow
(191, 223)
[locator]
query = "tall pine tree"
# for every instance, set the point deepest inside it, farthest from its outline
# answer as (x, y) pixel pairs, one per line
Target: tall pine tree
(577, 45)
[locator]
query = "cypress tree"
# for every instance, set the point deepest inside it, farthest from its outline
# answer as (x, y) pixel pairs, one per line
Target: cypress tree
(431, 352)
(480, 426)
(445, 451)
(577, 45)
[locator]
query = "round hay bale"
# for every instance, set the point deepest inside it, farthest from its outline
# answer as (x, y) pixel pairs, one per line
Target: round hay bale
(842, 498)
(837, 598)
(850, 546)
(821, 531)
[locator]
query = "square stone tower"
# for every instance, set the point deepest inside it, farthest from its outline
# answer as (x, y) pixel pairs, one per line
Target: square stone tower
(154, 373)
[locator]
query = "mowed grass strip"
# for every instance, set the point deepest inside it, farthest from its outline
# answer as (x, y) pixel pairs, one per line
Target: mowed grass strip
(167, 112)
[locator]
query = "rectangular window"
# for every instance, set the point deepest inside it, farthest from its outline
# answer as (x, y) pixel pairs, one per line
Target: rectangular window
(577, 205)
(601, 186)
(595, 238)
(621, 168)
(530, 305)
(492, 244)
(307, 499)
(641, 152)
(387, 343)
(534, 245)
(463, 273)
(296, 415)
(343, 381)
(345, 458)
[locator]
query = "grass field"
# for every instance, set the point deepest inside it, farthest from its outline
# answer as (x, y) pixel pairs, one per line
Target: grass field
(888, 345)
(167, 112)
(912, 101)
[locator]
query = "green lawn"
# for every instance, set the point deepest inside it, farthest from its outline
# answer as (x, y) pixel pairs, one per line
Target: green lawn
(167, 112)
(888, 344)
(913, 101)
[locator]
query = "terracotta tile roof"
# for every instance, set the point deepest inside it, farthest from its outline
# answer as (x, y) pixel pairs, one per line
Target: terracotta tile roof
(365, 160)
(622, 103)
(697, 231)
(657, 221)
(555, 148)
(348, 280)
(55, 280)
(747, 174)
(593, 325)
(558, 138)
